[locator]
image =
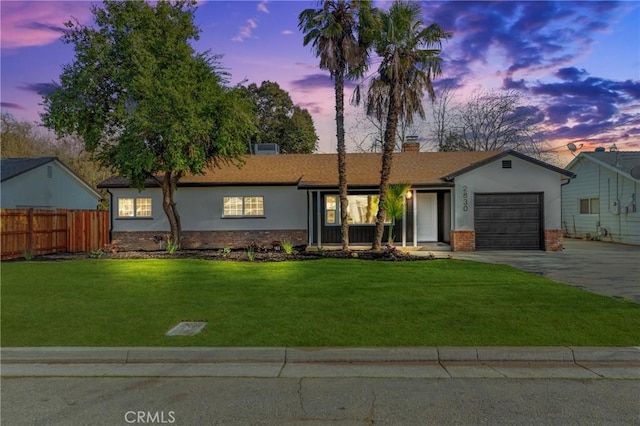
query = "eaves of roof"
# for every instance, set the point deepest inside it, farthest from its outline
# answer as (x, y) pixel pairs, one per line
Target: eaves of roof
(12, 167)
(503, 154)
(586, 156)
(318, 171)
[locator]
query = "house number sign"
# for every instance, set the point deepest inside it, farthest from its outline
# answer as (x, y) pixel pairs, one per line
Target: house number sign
(465, 198)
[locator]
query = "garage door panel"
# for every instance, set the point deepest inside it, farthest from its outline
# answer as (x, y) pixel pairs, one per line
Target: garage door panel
(496, 242)
(506, 215)
(508, 228)
(508, 221)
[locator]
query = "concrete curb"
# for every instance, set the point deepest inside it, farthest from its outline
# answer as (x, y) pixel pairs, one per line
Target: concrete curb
(150, 355)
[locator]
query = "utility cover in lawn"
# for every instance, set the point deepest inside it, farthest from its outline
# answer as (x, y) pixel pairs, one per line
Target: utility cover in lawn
(186, 329)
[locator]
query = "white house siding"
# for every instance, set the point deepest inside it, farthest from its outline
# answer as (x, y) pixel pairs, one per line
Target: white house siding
(49, 186)
(200, 209)
(523, 176)
(619, 222)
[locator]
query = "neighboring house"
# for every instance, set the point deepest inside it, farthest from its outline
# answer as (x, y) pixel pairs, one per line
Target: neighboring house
(470, 200)
(43, 183)
(602, 201)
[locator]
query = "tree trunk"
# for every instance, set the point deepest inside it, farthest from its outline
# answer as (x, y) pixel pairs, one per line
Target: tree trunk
(170, 208)
(387, 158)
(342, 158)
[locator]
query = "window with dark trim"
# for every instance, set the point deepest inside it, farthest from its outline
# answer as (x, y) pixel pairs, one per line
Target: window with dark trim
(361, 209)
(589, 205)
(331, 209)
(243, 206)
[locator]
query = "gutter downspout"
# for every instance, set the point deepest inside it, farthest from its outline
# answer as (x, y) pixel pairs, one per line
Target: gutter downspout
(562, 219)
(110, 216)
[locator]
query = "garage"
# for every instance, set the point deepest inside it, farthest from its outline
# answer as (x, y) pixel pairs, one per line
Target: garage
(508, 221)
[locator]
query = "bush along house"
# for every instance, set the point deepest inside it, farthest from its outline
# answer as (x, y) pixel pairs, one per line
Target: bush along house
(468, 200)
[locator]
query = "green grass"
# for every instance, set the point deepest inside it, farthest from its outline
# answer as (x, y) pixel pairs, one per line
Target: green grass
(329, 302)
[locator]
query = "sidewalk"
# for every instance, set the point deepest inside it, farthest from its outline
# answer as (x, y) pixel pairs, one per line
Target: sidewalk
(275, 362)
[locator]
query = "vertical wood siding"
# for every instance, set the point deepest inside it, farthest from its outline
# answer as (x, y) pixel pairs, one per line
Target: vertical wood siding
(50, 231)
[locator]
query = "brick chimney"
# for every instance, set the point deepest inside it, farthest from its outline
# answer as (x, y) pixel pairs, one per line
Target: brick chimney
(411, 147)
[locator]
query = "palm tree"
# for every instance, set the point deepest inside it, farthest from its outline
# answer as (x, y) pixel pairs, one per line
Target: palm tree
(394, 205)
(340, 33)
(409, 52)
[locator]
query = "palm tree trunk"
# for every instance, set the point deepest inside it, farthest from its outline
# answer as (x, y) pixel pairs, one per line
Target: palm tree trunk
(387, 158)
(342, 157)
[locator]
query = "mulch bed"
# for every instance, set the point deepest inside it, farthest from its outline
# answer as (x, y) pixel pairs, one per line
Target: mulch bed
(388, 254)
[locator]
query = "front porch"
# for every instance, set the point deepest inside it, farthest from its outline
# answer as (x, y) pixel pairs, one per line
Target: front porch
(425, 226)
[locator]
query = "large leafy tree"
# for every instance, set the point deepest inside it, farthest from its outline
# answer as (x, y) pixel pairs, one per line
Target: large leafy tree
(340, 33)
(280, 121)
(147, 105)
(410, 60)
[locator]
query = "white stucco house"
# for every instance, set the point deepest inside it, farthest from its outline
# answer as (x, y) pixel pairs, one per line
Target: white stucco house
(468, 200)
(601, 202)
(43, 183)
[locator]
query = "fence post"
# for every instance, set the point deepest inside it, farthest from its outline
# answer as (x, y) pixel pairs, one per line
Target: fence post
(70, 233)
(30, 232)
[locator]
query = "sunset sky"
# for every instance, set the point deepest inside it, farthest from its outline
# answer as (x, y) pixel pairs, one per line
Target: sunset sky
(577, 63)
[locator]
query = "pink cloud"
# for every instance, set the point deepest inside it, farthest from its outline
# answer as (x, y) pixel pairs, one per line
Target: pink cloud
(38, 23)
(246, 31)
(262, 7)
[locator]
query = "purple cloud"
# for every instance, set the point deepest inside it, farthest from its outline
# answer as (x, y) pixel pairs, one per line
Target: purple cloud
(312, 107)
(316, 81)
(529, 35)
(39, 88)
(11, 105)
(31, 23)
(44, 26)
(570, 74)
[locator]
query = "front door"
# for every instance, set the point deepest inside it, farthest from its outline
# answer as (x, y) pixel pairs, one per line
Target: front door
(427, 206)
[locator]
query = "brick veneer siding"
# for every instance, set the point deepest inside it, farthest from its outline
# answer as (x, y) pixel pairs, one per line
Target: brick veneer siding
(553, 239)
(463, 240)
(207, 239)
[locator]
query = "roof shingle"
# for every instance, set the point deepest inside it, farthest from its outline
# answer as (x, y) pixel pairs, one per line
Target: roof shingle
(12, 167)
(321, 170)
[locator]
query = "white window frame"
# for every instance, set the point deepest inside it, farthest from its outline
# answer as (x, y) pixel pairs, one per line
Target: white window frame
(137, 208)
(251, 206)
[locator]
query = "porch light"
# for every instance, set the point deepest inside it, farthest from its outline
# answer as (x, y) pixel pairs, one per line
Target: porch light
(409, 194)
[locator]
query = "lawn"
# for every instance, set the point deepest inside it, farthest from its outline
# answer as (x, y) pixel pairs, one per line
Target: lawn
(328, 302)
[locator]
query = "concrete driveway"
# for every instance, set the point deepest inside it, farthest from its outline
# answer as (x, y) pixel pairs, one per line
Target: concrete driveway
(603, 268)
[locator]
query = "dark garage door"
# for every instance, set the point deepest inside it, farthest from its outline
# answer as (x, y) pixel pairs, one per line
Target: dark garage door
(508, 221)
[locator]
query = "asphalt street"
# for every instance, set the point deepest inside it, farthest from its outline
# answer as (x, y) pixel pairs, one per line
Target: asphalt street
(342, 386)
(336, 401)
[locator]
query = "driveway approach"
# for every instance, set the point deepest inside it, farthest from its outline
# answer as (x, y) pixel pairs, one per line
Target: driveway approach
(604, 268)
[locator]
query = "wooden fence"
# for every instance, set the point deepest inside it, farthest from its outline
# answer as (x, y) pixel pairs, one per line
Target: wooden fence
(51, 231)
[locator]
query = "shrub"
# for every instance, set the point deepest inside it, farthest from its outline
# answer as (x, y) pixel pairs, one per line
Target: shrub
(251, 254)
(172, 246)
(96, 254)
(287, 246)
